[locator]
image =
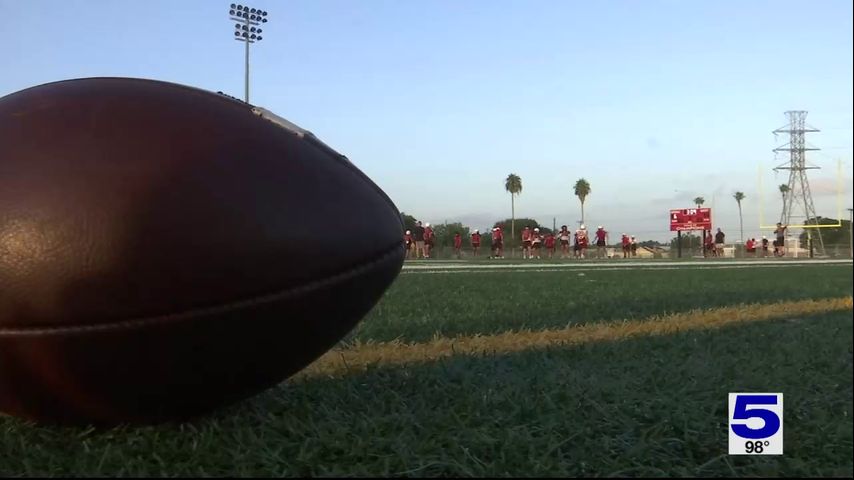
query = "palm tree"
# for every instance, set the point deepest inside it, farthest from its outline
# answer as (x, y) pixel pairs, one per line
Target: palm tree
(784, 191)
(513, 184)
(739, 196)
(582, 189)
(700, 201)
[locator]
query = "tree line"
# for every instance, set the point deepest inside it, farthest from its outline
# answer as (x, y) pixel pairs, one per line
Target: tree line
(444, 232)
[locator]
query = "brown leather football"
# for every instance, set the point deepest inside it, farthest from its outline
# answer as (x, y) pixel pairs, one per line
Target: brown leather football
(166, 251)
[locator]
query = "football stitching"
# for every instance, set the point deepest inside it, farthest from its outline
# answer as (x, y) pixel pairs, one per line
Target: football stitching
(172, 317)
(134, 323)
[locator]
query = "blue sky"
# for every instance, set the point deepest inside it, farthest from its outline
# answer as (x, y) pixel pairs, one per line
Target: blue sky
(653, 102)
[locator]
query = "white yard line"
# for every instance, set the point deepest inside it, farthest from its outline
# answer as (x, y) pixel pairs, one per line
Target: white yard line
(461, 267)
(526, 269)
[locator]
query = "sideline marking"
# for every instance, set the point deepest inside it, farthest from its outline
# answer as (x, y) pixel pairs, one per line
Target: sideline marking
(361, 356)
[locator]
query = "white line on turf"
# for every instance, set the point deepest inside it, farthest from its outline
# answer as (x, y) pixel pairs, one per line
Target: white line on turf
(580, 270)
(711, 264)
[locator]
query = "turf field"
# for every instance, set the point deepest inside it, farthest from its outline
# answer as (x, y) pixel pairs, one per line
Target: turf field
(576, 370)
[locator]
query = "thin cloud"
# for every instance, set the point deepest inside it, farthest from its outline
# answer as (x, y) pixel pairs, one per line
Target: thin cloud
(652, 143)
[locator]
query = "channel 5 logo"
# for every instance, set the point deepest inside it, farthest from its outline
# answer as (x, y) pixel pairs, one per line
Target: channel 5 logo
(755, 423)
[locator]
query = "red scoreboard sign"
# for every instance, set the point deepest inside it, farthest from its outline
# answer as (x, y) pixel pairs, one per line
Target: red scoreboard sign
(690, 219)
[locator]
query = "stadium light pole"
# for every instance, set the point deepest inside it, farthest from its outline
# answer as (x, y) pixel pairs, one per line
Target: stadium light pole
(247, 31)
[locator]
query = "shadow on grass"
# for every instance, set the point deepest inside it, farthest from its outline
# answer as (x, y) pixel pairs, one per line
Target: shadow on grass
(654, 406)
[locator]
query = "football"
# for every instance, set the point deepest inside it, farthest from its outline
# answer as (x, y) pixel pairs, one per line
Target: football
(166, 251)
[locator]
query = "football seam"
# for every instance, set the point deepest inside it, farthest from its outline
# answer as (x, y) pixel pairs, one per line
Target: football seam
(196, 312)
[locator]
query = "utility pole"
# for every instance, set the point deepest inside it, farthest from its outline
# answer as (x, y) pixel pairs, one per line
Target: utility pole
(799, 198)
(247, 31)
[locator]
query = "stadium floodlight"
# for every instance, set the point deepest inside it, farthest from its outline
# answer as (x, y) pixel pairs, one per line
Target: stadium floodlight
(247, 30)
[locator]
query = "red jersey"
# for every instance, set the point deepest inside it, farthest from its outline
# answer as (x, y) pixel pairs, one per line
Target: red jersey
(497, 235)
(458, 241)
(600, 235)
(407, 238)
(625, 240)
(550, 241)
(526, 235)
(475, 239)
(428, 233)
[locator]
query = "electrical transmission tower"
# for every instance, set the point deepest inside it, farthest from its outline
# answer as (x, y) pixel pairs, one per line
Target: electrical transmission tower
(798, 202)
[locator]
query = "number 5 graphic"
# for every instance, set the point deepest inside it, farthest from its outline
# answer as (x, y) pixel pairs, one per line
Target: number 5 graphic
(741, 412)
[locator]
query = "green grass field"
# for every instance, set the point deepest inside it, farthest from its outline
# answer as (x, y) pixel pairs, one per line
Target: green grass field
(644, 405)
(421, 305)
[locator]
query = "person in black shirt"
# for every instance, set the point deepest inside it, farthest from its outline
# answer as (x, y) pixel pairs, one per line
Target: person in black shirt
(780, 242)
(719, 243)
(418, 235)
